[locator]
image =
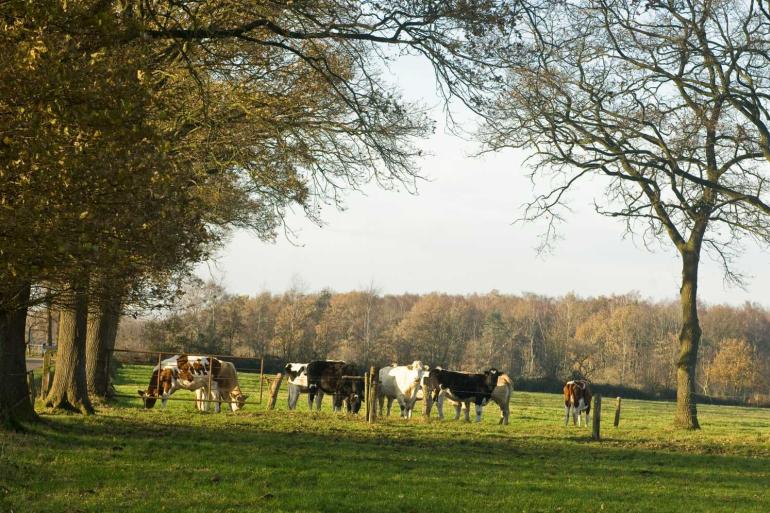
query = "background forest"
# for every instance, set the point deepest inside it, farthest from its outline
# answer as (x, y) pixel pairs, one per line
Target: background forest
(626, 340)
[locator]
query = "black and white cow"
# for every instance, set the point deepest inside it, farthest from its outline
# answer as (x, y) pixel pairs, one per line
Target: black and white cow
(336, 378)
(500, 395)
(297, 378)
(462, 388)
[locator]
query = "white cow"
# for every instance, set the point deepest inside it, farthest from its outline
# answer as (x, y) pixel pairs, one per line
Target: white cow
(402, 383)
(501, 395)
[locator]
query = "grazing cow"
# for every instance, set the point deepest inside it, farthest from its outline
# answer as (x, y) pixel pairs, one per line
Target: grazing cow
(188, 372)
(577, 395)
(335, 377)
(501, 395)
(402, 383)
(463, 388)
(229, 389)
(297, 378)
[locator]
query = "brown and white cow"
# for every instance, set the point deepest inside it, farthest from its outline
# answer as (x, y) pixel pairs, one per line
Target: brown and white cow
(577, 396)
(229, 391)
(189, 372)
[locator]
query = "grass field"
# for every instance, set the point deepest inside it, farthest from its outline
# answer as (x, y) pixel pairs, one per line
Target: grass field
(131, 460)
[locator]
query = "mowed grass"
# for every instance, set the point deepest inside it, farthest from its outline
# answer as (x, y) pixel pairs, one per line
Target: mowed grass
(129, 459)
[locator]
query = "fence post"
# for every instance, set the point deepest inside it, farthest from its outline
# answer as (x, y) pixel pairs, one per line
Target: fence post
(597, 417)
(617, 412)
(31, 386)
(261, 376)
(367, 387)
(372, 416)
(45, 380)
(427, 401)
(274, 388)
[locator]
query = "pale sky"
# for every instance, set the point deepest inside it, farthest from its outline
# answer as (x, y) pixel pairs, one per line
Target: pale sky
(457, 236)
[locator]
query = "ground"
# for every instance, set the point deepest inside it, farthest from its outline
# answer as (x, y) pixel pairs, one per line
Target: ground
(127, 459)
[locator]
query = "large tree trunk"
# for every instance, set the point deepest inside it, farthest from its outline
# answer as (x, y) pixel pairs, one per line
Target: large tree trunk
(15, 406)
(689, 340)
(100, 341)
(69, 390)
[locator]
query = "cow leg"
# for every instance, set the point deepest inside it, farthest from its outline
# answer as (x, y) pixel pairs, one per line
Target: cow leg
(319, 400)
(311, 392)
(336, 402)
(458, 409)
(380, 401)
(390, 405)
(580, 407)
(293, 397)
(505, 412)
(478, 411)
(402, 406)
(566, 414)
(440, 405)
(467, 411)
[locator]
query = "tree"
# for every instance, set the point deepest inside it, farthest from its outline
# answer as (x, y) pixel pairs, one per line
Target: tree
(250, 109)
(662, 99)
(733, 370)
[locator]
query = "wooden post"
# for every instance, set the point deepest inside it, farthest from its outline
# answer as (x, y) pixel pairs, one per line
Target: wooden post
(31, 386)
(372, 410)
(366, 398)
(211, 390)
(427, 401)
(597, 417)
(261, 376)
(157, 390)
(617, 413)
(45, 380)
(274, 388)
(108, 374)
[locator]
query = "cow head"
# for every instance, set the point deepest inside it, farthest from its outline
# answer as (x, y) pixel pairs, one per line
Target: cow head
(490, 378)
(159, 386)
(240, 402)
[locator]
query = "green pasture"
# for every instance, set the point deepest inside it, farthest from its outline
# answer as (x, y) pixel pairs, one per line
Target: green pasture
(127, 459)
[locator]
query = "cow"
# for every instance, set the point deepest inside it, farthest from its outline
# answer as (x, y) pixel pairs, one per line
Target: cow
(297, 379)
(337, 378)
(402, 383)
(463, 388)
(228, 388)
(501, 395)
(577, 396)
(194, 373)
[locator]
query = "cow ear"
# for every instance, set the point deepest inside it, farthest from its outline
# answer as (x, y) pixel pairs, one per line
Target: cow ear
(425, 367)
(141, 393)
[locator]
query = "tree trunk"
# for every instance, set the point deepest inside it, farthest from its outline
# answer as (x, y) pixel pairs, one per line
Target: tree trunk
(689, 340)
(69, 390)
(100, 341)
(15, 406)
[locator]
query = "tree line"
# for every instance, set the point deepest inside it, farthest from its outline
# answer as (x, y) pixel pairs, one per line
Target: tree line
(620, 340)
(136, 134)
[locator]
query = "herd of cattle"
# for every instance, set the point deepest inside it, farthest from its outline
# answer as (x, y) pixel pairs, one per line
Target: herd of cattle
(215, 380)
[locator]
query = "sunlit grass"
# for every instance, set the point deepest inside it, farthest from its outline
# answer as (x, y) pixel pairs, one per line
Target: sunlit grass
(177, 459)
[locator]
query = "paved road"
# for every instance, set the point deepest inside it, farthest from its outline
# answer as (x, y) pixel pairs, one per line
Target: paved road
(34, 363)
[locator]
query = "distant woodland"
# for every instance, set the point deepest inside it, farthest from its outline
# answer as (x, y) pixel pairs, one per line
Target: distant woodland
(625, 340)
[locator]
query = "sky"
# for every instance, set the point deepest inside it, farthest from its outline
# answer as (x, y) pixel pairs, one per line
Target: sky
(458, 235)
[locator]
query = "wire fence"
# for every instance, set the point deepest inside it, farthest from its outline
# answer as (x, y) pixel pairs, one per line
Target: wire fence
(157, 357)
